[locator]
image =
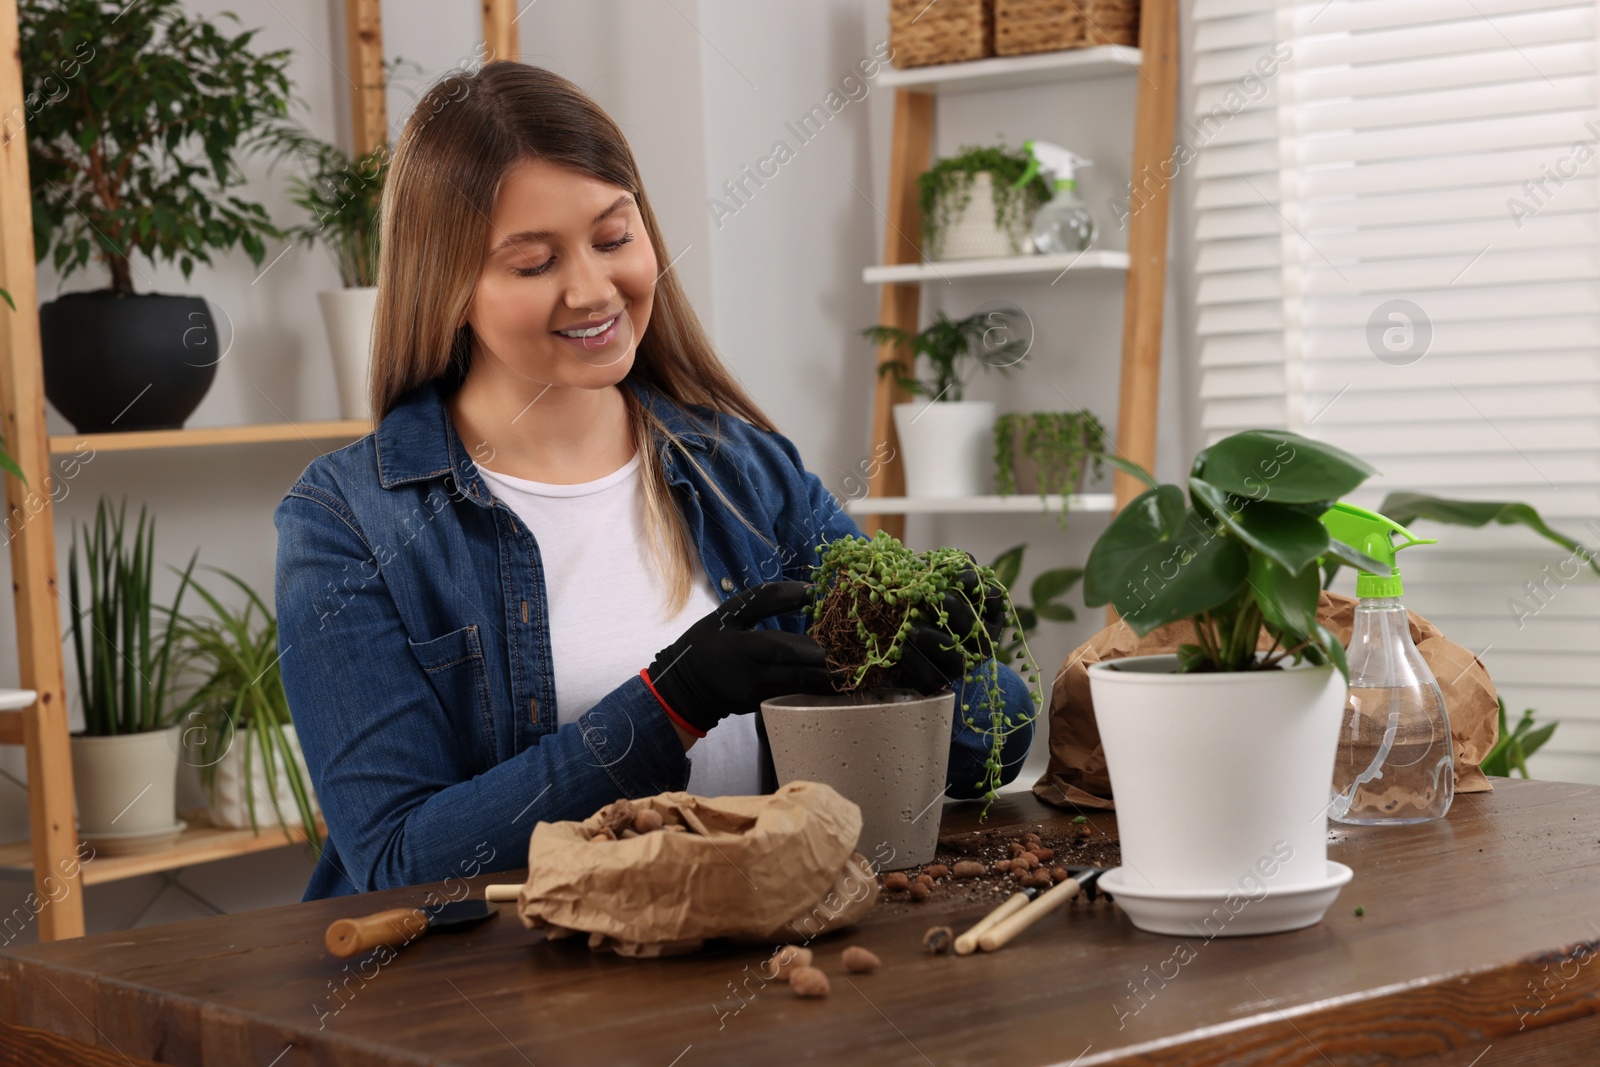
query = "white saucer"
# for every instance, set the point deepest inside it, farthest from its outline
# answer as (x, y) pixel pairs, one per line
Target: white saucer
(121, 843)
(1202, 912)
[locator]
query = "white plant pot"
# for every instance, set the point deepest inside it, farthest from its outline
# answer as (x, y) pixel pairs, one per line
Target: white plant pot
(948, 447)
(1221, 783)
(347, 314)
(126, 784)
(886, 751)
(972, 234)
(230, 794)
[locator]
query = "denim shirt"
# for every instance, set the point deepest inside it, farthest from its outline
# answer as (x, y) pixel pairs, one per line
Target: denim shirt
(415, 649)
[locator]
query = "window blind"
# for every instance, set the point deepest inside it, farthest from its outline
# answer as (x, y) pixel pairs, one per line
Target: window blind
(1398, 252)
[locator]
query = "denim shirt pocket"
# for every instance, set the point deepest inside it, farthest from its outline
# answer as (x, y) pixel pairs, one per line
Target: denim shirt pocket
(454, 665)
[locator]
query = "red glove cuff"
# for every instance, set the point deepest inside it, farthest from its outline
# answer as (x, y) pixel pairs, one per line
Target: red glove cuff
(644, 672)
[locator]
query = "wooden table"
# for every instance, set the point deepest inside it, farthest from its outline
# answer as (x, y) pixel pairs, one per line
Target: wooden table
(1477, 947)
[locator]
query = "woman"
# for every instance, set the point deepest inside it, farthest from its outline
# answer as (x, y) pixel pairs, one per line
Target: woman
(567, 565)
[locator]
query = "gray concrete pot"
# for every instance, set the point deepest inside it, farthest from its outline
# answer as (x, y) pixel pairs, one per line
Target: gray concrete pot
(886, 750)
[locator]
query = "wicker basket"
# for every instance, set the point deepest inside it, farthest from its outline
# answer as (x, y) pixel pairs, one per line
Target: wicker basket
(945, 31)
(1022, 26)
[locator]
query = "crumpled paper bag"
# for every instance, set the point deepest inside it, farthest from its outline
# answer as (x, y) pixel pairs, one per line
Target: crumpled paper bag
(780, 867)
(1076, 776)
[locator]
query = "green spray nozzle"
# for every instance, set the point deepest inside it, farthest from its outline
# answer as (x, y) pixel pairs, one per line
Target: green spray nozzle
(1060, 163)
(1373, 534)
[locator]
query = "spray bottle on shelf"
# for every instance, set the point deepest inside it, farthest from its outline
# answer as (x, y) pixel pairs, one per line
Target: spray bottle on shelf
(1394, 765)
(1062, 223)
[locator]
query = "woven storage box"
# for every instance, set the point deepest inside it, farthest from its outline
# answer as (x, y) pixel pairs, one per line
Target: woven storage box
(946, 31)
(1022, 26)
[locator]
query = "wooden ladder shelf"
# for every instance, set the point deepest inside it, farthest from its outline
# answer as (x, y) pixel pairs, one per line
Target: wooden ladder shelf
(909, 156)
(42, 728)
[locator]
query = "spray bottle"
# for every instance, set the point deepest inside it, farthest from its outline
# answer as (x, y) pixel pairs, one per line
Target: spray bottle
(1394, 765)
(1062, 223)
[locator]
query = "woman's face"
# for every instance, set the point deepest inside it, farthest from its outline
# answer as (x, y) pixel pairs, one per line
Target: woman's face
(566, 252)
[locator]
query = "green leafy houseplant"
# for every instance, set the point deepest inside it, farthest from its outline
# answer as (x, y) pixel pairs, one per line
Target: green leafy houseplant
(342, 194)
(945, 345)
(1061, 443)
(140, 152)
(1045, 591)
(945, 189)
(124, 671)
(1241, 553)
(867, 594)
(1510, 753)
(240, 699)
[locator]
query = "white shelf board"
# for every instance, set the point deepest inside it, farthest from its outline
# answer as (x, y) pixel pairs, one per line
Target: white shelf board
(1017, 503)
(1006, 72)
(1011, 266)
(16, 699)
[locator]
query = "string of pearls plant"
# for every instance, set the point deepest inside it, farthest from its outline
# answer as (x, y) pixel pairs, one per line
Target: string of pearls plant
(868, 593)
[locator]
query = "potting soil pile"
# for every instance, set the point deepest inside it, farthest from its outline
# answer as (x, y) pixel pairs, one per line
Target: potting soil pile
(662, 874)
(1076, 776)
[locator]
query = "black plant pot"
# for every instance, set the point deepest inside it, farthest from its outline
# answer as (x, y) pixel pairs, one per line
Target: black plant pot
(144, 361)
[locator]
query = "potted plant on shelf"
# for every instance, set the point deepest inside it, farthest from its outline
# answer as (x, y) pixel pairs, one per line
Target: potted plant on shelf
(971, 207)
(944, 440)
(1221, 755)
(867, 596)
(236, 725)
(125, 762)
(343, 194)
(139, 154)
(1055, 448)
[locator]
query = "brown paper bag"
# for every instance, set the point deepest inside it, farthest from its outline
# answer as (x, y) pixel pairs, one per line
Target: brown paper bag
(774, 868)
(1077, 778)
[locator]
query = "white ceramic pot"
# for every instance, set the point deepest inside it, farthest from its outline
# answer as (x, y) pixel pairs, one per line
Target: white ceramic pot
(126, 783)
(972, 234)
(886, 751)
(1221, 781)
(948, 447)
(347, 314)
(229, 795)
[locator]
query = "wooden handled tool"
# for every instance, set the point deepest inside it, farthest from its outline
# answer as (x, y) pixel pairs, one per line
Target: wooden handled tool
(967, 943)
(1082, 880)
(400, 926)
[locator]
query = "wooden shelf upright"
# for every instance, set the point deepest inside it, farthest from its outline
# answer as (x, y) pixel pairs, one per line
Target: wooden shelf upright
(909, 156)
(42, 728)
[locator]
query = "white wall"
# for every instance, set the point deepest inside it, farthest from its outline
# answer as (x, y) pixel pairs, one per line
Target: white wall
(701, 89)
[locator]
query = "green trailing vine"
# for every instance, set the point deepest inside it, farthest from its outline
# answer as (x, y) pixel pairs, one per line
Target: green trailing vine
(946, 189)
(1059, 442)
(866, 595)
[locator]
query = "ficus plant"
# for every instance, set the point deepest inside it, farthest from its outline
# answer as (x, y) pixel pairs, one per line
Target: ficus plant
(867, 593)
(139, 124)
(1239, 552)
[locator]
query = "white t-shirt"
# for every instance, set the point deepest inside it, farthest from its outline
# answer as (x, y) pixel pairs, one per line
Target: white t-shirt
(606, 605)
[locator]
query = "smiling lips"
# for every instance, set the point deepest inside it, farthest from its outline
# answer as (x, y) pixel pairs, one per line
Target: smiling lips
(584, 333)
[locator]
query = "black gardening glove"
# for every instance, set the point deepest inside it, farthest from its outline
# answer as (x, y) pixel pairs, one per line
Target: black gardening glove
(721, 666)
(931, 661)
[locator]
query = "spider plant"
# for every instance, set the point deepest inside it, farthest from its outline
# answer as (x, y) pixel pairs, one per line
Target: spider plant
(241, 696)
(123, 668)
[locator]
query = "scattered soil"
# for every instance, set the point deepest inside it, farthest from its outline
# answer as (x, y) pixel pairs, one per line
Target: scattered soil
(1075, 845)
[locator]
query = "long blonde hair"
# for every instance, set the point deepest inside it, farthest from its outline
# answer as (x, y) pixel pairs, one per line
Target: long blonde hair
(467, 131)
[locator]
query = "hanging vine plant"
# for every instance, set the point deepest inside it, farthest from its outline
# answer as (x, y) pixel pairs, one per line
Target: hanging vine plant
(946, 189)
(1060, 443)
(868, 594)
